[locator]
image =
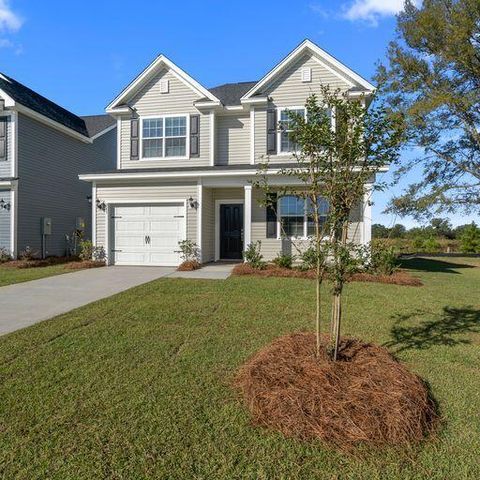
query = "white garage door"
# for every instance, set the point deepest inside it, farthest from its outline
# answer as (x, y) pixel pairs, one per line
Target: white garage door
(148, 234)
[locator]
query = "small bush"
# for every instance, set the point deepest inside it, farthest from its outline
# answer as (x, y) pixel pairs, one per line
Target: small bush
(189, 266)
(253, 256)
(308, 259)
(28, 254)
(284, 260)
(86, 250)
(189, 251)
(470, 239)
(4, 255)
(383, 259)
(431, 245)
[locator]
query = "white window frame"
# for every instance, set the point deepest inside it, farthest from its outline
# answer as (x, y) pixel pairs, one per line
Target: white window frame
(305, 235)
(279, 132)
(163, 117)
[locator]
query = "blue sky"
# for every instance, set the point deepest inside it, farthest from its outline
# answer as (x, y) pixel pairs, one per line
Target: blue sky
(81, 54)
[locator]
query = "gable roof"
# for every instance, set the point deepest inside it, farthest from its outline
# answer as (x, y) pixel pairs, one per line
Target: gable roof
(325, 58)
(96, 124)
(36, 102)
(160, 62)
(231, 93)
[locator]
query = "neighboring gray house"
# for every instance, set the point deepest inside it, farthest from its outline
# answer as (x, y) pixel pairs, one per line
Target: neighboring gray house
(187, 156)
(43, 149)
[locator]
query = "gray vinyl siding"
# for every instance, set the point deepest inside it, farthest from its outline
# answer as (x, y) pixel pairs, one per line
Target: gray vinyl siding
(149, 101)
(136, 191)
(5, 224)
(49, 163)
(233, 139)
(208, 225)
(6, 165)
(287, 90)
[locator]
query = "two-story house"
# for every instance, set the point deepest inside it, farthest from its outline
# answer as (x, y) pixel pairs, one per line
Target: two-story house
(187, 156)
(43, 148)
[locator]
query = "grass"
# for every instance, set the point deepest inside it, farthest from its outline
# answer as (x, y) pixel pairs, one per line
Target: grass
(10, 275)
(137, 386)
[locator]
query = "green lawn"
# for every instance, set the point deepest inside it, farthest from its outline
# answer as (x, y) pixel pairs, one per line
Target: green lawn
(138, 386)
(10, 275)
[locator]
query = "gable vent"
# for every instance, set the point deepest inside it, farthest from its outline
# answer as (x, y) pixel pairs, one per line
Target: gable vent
(306, 74)
(164, 86)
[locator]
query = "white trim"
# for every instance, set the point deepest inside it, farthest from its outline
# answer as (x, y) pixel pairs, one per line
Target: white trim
(14, 144)
(234, 108)
(212, 138)
(103, 132)
(6, 183)
(119, 143)
(94, 214)
(13, 218)
(52, 123)
(164, 138)
(322, 54)
(217, 222)
(9, 101)
(200, 219)
(366, 231)
(334, 72)
(178, 174)
(254, 101)
(252, 136)
(160, 61)
(247, 217)
(111, 205)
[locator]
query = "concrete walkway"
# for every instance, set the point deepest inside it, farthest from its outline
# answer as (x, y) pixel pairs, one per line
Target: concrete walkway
(24, 304)
(210, 271)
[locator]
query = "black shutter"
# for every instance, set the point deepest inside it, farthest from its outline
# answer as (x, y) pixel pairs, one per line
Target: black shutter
(134, 125)
(272, 216)
(271, 131)
(194, 135)
(3, 138)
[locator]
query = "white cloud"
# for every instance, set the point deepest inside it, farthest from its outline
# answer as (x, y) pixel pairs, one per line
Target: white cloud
(9, 20)
(372, 10)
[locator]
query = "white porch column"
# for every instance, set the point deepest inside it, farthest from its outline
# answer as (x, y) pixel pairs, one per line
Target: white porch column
(367, 215)
(247, 217)
(94, 214)
(199, 218)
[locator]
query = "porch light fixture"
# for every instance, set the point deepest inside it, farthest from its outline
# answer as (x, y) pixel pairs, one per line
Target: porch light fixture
(192, 203)
(101, 205)
(4, 205)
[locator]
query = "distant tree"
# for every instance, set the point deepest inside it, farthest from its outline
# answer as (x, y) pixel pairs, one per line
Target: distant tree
(379, 231)
(398, 231)
(441, 227)
(431, 83)
(458, 231)
(470, 239)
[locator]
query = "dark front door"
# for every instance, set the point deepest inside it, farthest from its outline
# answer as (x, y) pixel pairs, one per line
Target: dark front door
(231, 231)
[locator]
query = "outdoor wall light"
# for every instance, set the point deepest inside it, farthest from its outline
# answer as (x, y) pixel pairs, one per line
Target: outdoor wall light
(4, 205)
(192, 203)
(101, 205)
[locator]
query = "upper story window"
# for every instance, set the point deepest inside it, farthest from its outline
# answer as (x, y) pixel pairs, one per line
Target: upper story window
(296, 216)
(164, 136)
(285, 144)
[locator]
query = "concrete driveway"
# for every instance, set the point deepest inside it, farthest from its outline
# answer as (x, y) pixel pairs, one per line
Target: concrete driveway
(24, 304)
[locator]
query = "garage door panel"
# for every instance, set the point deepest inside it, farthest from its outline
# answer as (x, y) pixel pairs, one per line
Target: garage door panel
(162, 225)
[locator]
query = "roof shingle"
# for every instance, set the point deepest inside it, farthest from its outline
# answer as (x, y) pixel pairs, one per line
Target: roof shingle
(231, 93)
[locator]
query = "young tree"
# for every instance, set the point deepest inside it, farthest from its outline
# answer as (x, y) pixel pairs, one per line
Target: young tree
(341, 144)
(432, 82)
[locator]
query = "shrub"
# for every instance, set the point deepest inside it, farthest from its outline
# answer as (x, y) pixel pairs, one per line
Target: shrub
(308, 259)
(284, 260)
(383, 259)
(189, 266)
(253, 256)
(28, 254)
(431, 245)
(189, 251)
(88, 252)
(470, 239)
(4, 255)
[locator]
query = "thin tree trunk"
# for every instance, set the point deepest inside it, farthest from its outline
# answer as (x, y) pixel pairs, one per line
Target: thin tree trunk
(318, 274)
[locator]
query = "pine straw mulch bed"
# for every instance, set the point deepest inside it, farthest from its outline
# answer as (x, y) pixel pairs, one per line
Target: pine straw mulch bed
(189, 266)
(367, 397)
(400, 277)
(72, 263)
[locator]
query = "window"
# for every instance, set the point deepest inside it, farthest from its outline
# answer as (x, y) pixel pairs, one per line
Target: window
(285, 143)
(296, 216)
(164, 137)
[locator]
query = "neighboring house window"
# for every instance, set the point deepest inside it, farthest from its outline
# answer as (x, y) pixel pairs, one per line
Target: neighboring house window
(284, 142)
(296, 216)
(164, 137)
